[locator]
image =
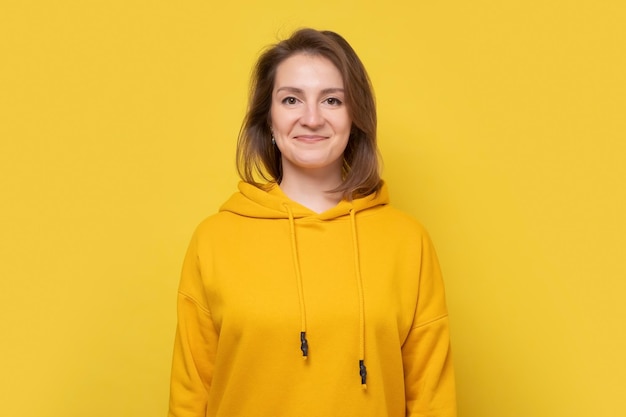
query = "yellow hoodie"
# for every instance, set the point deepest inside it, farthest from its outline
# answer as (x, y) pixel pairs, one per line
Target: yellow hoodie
(283, 312)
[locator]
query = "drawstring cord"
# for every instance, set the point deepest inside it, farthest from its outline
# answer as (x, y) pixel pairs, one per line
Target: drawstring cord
(359, 279)
(304, 344)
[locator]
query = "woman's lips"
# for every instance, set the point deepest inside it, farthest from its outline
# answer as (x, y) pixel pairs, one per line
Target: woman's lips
(310, 138)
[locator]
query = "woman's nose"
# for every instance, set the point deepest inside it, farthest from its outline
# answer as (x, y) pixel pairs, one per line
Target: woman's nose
(312, 116)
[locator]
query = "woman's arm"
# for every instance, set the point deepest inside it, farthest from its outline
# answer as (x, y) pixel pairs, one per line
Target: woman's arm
(195, 344)
(428, 371)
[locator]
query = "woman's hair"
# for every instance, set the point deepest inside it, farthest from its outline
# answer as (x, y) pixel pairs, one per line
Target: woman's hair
(256, 154)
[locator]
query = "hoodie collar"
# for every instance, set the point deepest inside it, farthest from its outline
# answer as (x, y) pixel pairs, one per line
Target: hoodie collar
(252, 201)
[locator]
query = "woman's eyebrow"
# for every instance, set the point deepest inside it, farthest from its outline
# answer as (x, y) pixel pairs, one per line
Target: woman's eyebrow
(300, 91)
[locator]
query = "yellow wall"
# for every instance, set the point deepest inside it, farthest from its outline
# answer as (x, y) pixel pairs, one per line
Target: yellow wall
(502, 125)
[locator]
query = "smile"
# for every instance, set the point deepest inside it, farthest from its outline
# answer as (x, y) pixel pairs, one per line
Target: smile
(310, 138)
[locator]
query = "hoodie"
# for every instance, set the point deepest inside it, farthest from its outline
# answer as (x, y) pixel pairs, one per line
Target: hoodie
(284, 312)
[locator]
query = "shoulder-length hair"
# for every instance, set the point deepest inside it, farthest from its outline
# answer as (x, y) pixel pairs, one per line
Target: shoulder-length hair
(258, 158)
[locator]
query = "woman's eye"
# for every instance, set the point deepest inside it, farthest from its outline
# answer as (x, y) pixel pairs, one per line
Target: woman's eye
(290, 100)
(333, 101)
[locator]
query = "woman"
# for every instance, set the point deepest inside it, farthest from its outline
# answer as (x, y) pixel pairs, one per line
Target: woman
(307, 294)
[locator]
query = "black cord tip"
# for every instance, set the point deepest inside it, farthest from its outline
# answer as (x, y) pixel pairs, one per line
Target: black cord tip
(362, 371)
(304, 344)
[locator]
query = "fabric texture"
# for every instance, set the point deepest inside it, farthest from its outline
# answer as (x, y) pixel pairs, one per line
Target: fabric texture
(358, 285)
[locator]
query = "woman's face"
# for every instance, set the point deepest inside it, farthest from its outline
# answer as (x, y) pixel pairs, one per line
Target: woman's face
(309, 117)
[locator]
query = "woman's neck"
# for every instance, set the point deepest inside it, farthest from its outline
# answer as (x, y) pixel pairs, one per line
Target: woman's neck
(310, 189)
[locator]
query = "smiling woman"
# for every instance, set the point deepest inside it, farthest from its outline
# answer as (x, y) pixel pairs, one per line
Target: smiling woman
(310, 254)
(311, 126)
(257, 160)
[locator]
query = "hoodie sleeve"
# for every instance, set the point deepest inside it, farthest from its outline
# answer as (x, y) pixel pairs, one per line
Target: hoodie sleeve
(428, 372)
(195, 343)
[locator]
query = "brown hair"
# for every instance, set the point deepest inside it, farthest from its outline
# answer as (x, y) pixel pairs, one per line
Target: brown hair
(258, 157)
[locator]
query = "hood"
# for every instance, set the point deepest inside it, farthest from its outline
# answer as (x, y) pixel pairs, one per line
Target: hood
(254, 202)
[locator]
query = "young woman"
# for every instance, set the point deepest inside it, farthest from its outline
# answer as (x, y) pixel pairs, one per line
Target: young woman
(307, 294)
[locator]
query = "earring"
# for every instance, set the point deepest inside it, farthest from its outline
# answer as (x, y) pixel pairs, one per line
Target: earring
(273, 140)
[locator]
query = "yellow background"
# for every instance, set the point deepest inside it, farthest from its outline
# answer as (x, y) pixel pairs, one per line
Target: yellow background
(502, 126)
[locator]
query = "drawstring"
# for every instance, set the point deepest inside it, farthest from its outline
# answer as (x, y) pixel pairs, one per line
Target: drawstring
(304, 344)
(359, 279)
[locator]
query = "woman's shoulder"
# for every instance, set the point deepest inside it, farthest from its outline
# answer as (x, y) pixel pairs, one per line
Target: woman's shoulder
(214, 222)
(393, 214)
(393, 223)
